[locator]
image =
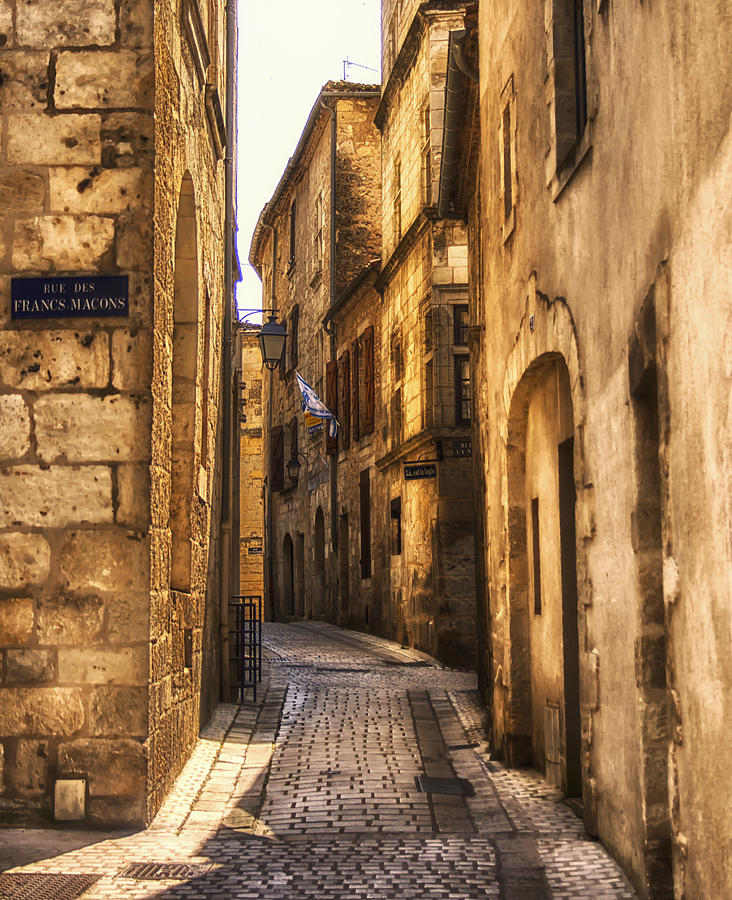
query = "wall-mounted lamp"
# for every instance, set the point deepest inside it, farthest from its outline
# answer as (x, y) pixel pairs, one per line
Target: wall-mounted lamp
(272, 338)
(293, 466)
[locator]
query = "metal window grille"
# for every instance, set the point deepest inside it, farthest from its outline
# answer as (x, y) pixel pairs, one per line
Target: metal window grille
(245, 644)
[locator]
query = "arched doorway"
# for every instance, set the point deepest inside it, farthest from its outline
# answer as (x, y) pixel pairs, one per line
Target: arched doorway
(288, 577)
(183, 401)
(542, 584)
(317, 603)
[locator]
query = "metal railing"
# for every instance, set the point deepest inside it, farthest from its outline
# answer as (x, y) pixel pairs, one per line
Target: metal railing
(245, 644)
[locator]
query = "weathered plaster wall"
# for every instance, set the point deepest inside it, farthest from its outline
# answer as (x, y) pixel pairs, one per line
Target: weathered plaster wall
(644, 196)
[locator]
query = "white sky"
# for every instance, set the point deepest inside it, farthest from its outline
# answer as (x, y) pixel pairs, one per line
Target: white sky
(288, 49)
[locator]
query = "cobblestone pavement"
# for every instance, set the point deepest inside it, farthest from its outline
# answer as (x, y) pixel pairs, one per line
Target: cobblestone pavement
(313, 792)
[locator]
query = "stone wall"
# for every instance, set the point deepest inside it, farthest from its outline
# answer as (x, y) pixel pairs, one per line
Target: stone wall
(189, 310)
(101, 663)
(251, 480)
(424, 284)
(613, 264)
(76, 176)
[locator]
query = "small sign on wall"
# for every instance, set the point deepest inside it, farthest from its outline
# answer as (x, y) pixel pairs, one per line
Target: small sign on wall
(461, 449)
(415, 471)
(65, 297)
(254, 551)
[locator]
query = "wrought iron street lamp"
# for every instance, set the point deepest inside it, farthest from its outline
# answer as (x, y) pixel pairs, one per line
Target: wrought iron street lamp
(294, 465)
(272, 338)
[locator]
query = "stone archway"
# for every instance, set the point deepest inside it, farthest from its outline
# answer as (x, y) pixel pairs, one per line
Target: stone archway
(540, 721)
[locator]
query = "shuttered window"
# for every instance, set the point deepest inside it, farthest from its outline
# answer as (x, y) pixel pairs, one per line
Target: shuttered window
(331, 401)
(355, 388)
(367, 342)
(344, 378)
(365, 509)
(277, 458)
(294, 322)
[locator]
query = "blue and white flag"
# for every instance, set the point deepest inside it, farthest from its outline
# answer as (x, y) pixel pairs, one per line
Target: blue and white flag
(312, 404)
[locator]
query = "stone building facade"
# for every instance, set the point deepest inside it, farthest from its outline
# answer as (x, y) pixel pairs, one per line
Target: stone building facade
(601, 323)
(251, 464)
(425, 355)
(112, 163)
(314, 237)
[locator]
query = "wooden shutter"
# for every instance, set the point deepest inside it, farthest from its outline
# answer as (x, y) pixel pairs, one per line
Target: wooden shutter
(344, 367)
(355, 388)
(277, 459)
(365, 509)
(331, 401)
(368, 379)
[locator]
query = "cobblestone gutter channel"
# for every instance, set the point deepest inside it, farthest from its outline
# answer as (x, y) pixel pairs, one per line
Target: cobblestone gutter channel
(314, 792)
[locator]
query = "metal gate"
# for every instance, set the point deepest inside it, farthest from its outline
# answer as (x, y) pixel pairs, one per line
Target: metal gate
(245, 644)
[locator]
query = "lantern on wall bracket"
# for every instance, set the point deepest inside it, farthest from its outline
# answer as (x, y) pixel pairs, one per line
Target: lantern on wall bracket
(272, 338)
(293, 466)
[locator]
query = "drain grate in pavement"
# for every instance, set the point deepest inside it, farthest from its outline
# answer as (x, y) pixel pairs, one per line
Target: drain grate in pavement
(429, 784)
(468, 746)
(353, 669)
(163, 871)
(41, 886)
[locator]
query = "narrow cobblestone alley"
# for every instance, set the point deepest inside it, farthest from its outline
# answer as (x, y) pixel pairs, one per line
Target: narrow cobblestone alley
(331, 786)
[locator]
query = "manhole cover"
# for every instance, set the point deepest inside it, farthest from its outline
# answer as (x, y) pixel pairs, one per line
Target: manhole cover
(32, 886)
(428, 784)
(163, 871)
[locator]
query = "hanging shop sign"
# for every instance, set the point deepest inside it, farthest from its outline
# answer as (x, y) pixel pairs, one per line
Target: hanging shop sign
(416, 471)
(77, 296)
(313, 423)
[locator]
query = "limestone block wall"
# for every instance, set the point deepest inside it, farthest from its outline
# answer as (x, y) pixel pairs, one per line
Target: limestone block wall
(251, 484)
(358, 190)
(76, 195)
(186, 463)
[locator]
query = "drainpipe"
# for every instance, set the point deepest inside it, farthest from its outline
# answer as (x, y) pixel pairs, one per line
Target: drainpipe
(227, 393)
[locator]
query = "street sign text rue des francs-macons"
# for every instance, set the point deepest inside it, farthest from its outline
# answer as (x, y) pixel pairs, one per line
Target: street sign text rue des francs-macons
(75, 296)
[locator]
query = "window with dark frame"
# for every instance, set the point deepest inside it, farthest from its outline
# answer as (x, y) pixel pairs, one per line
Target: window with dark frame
(294, 325)
(396, 188)
(319, 233)
(331, 401)
(294, 442)
(355, 389)
(344, 401)
(462, 390)
(461, 325)
(277, 458)
(293, 217)
(426, 155)
(369, 381)
(365, 510)
(568, 64)
(507, 171)
(395, 512)
(536, 555)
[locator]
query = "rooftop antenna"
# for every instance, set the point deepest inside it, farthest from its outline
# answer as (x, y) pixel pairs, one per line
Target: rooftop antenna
(347, 64)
